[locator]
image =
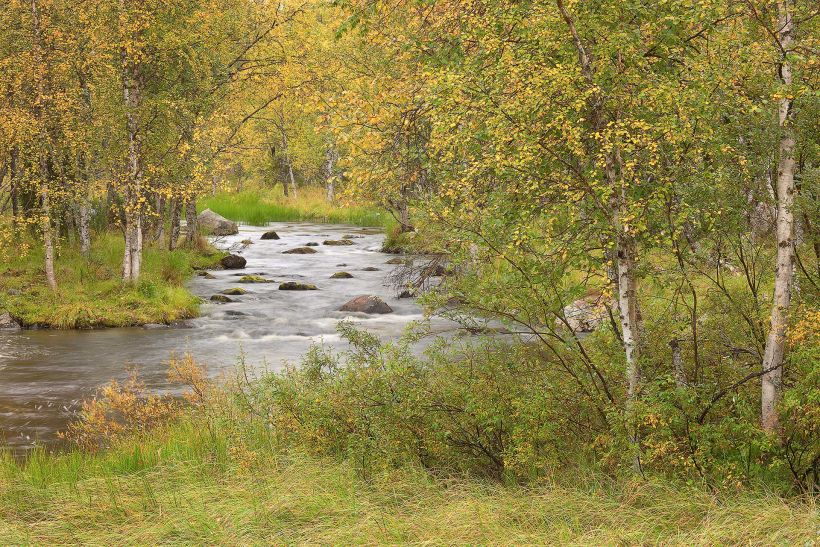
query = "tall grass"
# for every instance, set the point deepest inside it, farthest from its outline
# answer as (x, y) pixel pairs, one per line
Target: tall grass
(259, 206)
(195, 483)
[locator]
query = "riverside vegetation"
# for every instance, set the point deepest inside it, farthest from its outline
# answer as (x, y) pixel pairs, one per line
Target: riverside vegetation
(618, 208)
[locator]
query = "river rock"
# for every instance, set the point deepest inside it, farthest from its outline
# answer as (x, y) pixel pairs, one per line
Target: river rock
(7, 322)
(235, 291)
(300, 251)
(585, 314)
(233, 262)
(351, 236)
(371, 269)
(397, 261)
(341, 275)
(235, 313)
(206, 275)
(270, 235)
(153, 326)
(367, 304)
(296, 286)
(337, 242)
(254, 279)
(221, 298)
(215, 224)
(311, 244)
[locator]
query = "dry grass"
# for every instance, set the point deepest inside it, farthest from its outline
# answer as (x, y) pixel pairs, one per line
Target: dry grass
(191, 485)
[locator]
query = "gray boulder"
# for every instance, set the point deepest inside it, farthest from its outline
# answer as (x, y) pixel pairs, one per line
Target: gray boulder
(585, 314)
(300, 251)
(7, 322)
(233, 262)
(214, 224)
(367, 304)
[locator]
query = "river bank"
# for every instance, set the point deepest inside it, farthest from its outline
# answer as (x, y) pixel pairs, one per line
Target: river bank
(90, 293)
(214, 481)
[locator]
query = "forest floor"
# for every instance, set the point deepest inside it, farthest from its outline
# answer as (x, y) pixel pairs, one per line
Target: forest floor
(90, 292)
(197, 484)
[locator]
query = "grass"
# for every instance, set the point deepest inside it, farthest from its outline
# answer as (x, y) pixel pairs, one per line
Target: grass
(259, 206)
(193, 483)
(90, 292)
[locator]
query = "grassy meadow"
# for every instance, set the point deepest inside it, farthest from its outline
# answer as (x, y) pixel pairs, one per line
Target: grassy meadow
(200, 481)
(258, 206)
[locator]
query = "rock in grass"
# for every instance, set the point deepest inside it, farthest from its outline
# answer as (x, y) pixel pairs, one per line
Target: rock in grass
(300, 251)
(222, 299)
(215, 224)
(270, 235)
(337, 242)
(235, 291)
(341, 275)
(254, 279)
(233, 262)
(7, 322)
(397, 261)
(367, 304)
(296, 286)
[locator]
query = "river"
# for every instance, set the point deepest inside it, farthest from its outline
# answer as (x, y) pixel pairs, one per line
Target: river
(45, 374)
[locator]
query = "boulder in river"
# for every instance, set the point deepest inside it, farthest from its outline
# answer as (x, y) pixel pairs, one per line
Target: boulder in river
(351, 236)
(300, 251)
(221, 298)
(233, 262)
(341, 275)
(585, 314)
(270, 235)
(254, 279)
(7, 322)
(337, 242)
(206, 275)
(235, 291)
(296, 286)
(215, 224)
(367, 304)
(311, 244)
(371, 269)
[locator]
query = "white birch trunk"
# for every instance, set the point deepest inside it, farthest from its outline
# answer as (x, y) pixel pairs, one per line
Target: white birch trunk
(775, 350)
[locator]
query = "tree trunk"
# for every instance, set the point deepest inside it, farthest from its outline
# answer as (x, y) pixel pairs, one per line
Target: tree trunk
(775, 350)
(15, 175)
(330, 160)
(287, 167)
(159, 233)
(85, 234)
(173, 233)
(48, 239)
(190, 222)
(132, 85)
(43, 161)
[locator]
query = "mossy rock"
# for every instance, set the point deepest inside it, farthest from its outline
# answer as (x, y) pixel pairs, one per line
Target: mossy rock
(337, 242)
(296, 286)
(341, 275)
(254, 279)
(221, 298)
(206, 275)
(397, 261)
(300, 251)
(235, 291)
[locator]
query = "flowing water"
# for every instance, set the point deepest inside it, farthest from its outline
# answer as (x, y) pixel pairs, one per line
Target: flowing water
(44, 374)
